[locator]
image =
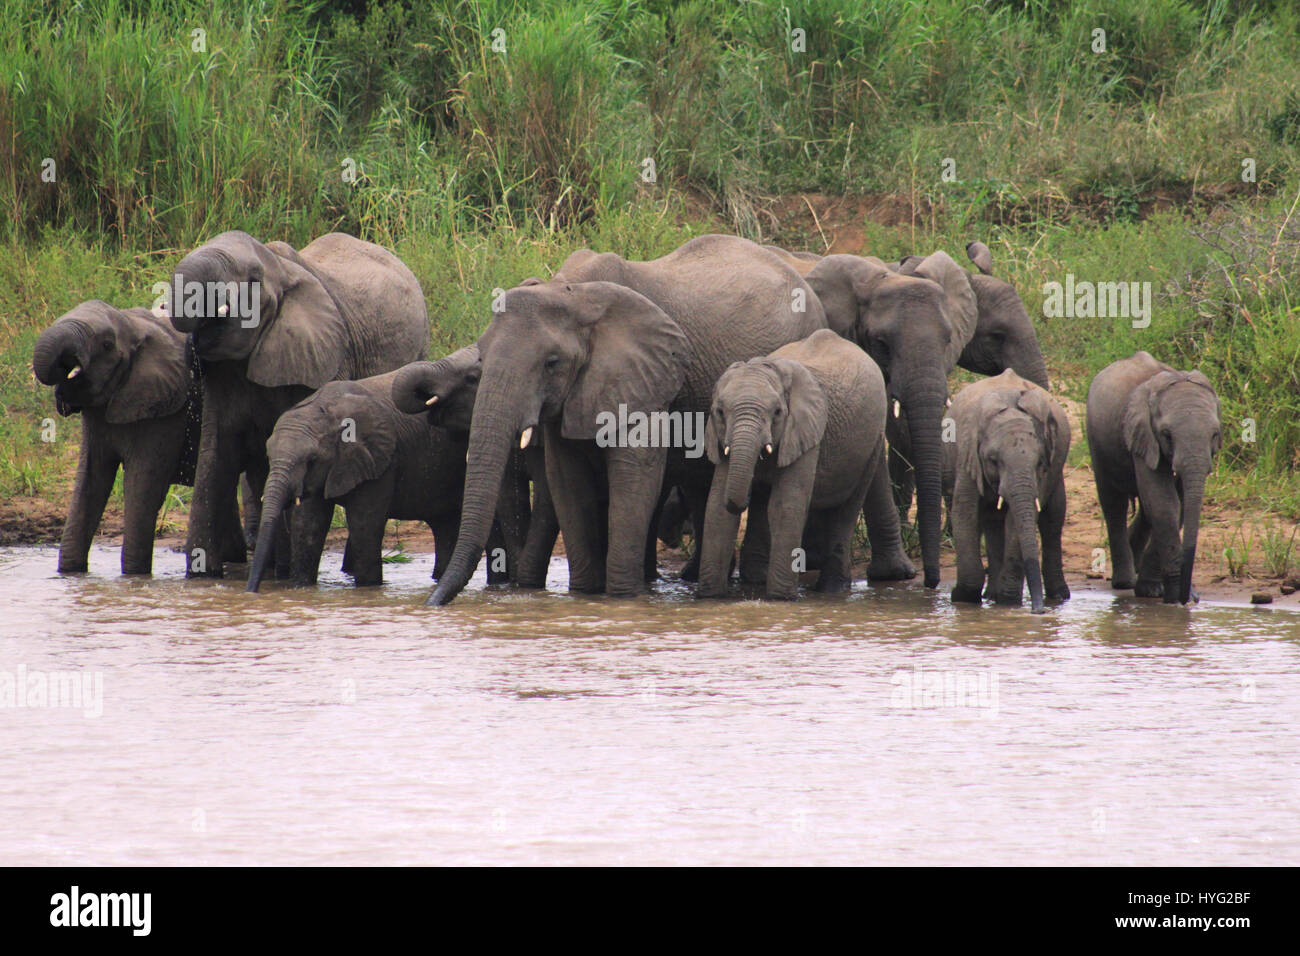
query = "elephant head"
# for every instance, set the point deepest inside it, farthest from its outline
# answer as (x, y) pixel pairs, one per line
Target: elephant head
(1016, 440)
(1173, 417)
(240, 299)
(915, 326)
(763, 408)
(323, 447)
(127, 361)
(444, 391)
(560, 353)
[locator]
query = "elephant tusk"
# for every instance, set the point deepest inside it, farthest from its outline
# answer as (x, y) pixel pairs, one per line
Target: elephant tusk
(999, 502)
(767, 449)
(432, 401)
(223, 310)
(897, 408)
(948, 401)
(526, 437)
(726, 451)
(76, 370)
(1037, 506)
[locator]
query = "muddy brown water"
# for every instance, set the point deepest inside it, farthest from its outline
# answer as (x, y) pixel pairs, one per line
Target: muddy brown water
(171, 721)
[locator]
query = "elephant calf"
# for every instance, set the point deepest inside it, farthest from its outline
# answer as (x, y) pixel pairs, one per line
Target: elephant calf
(348, 444)
(1153, 432)
(800, 436)
(1007, 473)
(126, 371)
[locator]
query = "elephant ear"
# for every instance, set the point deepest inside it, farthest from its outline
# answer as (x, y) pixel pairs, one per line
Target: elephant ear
(966, 417)
(302, 343)
(806, 419)
(979, 254)
(158, 383)
(1050, 421)
(960, 308)
(362, 417)
(637, 355)
(1139, 437)
(844, 284)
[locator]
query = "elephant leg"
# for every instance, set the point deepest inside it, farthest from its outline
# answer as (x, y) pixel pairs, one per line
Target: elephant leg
(347, 556)
(720, 527)
(1010, 581)
(215, 482)
(498, 570)
(889, 560)
(903, 480)
(1114, 506)
(96, 472)
(232, 533)
(366, 524)
(841, 522)
(652, 539)
(252, 513)
(283, 555)
(697, 497)
(1147, 560)
(543, 527)
(635, 479)
(787, 513)
(311, 525)
(756, 546)
(994, 522)
(1051, 523)
(966, 527)
(513, 519)
(577, 497)
(1159, 501)
(446, 529)
(144, 487)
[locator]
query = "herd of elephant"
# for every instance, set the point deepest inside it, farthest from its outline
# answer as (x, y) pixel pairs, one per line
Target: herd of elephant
(820, 385)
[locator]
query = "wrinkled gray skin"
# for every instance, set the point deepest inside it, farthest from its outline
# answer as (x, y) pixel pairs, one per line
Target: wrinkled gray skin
(340, 308)
(915, 326)
(444, 392)
(1004, 335)
(607, 331)
(1153, 433)
(800, 432)
(125, 371)
(394, 466)
(1007, 473)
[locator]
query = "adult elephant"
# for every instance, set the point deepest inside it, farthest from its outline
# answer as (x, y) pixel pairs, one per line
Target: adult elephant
(444, 393)
(272, 324)
(1004, 335)
(915, 324)
(607, 334)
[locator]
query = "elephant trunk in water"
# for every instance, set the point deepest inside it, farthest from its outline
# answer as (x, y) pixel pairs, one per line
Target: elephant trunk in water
(1021, 500)
(924, 404)
(493, 429)
(280, 485)
(1193, 480)
(741, 459)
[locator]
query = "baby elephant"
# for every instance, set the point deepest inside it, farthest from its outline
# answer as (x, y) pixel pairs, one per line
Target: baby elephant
(1006, 469)
(127, 372)
(1153, 432)
(800, 435)
(348, 444)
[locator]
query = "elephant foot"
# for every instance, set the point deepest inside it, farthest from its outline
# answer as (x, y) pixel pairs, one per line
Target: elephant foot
(897, 568)
(1150, 589)
(966, 593)
(832, 583)
(74, 567)
(1122, 583)
(701, 591)
(137, 571)
(1009, 598)
(691, 569)
(1060, 593)
(782, 594)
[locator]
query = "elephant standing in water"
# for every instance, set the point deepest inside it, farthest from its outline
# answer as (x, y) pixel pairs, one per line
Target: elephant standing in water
(348, 444)
(444, 392)
(799, 432)
(128, 373)
(611, 338)
(1012, 439)
(915, 325)
(271, 325)
(1153, 432)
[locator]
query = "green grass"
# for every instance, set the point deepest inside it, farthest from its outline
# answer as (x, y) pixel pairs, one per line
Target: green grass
(481, 168)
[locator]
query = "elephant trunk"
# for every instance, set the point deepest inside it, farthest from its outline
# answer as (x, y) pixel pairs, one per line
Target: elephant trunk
(491, 433)
(924, 406)
(1193, 493)
(275, 497)
(413, 386)
(60, 348)
(1033, 367)
(741, 460)
(1021, 501)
